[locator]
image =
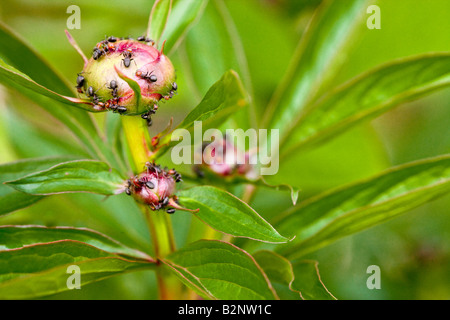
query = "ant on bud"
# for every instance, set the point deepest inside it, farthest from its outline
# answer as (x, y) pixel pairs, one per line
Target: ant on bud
(113, 86)
(127, 58)
(80, 82)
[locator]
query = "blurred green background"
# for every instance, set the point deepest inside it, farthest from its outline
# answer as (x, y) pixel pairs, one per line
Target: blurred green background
(412, 251)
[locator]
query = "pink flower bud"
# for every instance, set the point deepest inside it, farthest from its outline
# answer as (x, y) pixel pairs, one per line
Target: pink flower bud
(114, 60)
(156, 188)
(223, 158)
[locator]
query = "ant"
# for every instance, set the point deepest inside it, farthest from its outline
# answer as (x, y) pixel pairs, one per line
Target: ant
(128, 57)
(128, 190)
(80, 83)
(121, 109)
(148, 116)
(146, 39)
(97, 53)
(113, 86)
(90, 93)
(176, 175)
(147, 76)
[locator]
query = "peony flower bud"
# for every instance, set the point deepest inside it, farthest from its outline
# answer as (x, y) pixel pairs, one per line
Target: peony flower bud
(119, 69)
(223, 158)
(156, 188)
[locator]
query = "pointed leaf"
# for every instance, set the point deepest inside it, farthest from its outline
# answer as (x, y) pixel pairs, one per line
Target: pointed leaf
(158, 19)
(369, 95)
(219, 270)
(277, 268)
(37, 68)
(308, 283)
(316, 60)
(301, 277)
(18, 80)
(14, 237)
(10, 199)
(222, 100)
(42, 269)
(73, 176)
(349, 209)
(227, 213)
(29, 61)
(183, 16)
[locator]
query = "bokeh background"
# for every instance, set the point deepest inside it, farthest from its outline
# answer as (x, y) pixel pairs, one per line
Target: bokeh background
(412, 251)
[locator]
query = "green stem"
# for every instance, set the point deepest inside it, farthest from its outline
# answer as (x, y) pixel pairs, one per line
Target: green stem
(159, 224)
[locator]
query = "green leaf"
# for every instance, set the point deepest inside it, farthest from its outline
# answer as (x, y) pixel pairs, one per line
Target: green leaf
(158, 19)
(133, 85)
(10, 199)
(219, 270)
(369, 95)
(308, 283)
(323, 219)
(227, 213)
(183, 16)
(223, 99)
(20, 55)
(42, 269)
(35, 66)
(277, 268)
(73, 176)
(18, 80)
(14, 237)
(301, 277)
(316, 60)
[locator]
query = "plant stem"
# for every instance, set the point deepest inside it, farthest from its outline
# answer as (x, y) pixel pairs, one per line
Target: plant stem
(159, 224)
(137, 136)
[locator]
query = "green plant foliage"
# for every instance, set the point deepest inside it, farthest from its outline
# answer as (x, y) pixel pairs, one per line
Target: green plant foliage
(313, 70)
(41, 269)
(349, 209)
(227, 213)
(221, 264)
(11, 199)
(73, 176)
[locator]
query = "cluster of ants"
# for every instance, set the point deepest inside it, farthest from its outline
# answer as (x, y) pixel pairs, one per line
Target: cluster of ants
(102, 48)
(144, 181)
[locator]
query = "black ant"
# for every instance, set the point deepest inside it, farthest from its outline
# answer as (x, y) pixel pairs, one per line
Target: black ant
(80, 83)
(165, 201)
(148, 116)
(147, 76)
(176, 175)
(121, 109)
(128, 57)
(146, 39)
(97, 53)
(113, 86)
(150, 185)
(90, 91)
(128, 190)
